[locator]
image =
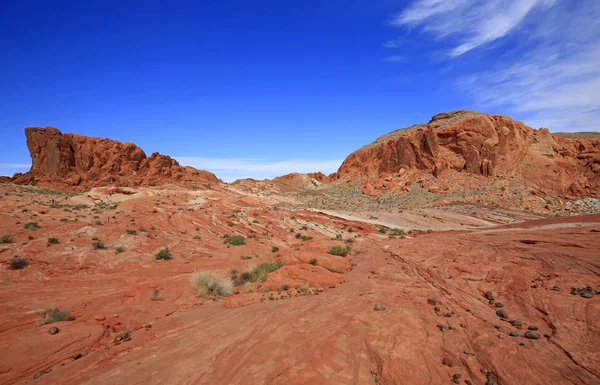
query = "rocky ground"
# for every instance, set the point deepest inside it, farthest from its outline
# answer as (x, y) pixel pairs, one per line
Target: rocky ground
(443, 294)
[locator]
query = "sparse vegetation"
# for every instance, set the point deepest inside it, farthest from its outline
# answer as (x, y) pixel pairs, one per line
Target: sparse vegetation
(5, 239)
(313, 261)
(338, 237)
(303, 288)
(51, 315)
(131, 232)
(382, 230)
(256, 273)
(18, 263)
(33, 226)
(156, 295)
(208, 283)
(164, 254)
(53, 241)
(284, 287)
(98, 245)
(236, 240)
(339, 250)
(119, 249)
(306, 238)
(197, 237)
(275, 249)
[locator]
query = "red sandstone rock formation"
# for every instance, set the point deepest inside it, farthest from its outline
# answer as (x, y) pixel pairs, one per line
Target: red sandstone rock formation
(480, 144)
(78, 163)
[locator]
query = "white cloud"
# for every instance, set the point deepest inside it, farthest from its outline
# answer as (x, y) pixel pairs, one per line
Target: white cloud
(472, 23)
(555, 83)
(15, 166)
(394, 59)
(544, 68)
(230, 169)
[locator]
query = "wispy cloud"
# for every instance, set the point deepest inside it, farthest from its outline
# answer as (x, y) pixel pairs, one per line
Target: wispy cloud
(547, 72)
(230, 169)
(472, 23)
(394, 59)
(15, 166)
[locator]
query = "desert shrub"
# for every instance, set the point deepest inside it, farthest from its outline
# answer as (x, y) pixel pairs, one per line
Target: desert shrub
(197, 237)
(275, 249)
(339, 250)
(208, 283)
(30, 237)
(306, 238)
(304, 228)
(382, 230)
(119, 249)
(350, 230)
(131, 232)
(5, 239)
(284, 287)
(142, 229)
(32, 226)
(303, 288)
(18, 263)
(249, 288)
(313, 261)
(98, 245)
(51, 315)
(261, 271)
(236, 240)
(53, 241)
(298, 236)
(164, 254)
(99, 223)
(156, 295)
(338, 237)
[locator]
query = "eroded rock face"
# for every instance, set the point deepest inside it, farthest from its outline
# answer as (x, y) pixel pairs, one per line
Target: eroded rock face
(78, 163)
(480, 144)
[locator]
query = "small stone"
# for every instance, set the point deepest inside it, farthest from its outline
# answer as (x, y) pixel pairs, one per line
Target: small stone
(99, 317)
(587, 294)
(447, 361)
(115, 316)
(53, 330)
(489, 295)
(499, 304)
(469, 352)
(532, 327)
(436, 308)
(532, 335)
(379, 308)
(502, 313)
(447, 315)
(77, 356)
(514, 334)
(456, 378)
(555, 288)
(516, 323)
(468, 382)
(431, 301)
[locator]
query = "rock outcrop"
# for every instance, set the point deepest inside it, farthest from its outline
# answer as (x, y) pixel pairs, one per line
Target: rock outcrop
(77, 163)
(480, 144)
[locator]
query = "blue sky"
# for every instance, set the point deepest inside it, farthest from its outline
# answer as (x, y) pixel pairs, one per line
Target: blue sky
(259, 89)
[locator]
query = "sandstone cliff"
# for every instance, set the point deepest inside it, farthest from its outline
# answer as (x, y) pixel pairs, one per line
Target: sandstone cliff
(480, 144)
(78, 163)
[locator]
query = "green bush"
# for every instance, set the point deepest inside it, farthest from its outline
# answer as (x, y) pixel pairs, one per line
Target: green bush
(339, 250)
(131, 232)
(313, 261)
(306, 238)
(51, 315)
(5, 239)
(210, 284)
(18, 263)
(53, 241)
(275, 249)
(261, 271)
(236, 240)
(164, 254)
(98, 245)
(382, 230)
(33, 226)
